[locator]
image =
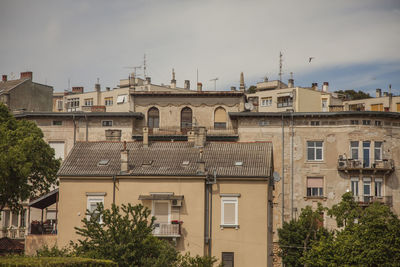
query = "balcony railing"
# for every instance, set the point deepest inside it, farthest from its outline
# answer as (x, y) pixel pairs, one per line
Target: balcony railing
(13, 233)
(167, 230)
(367, 200)
(386, 165)
(173, 131)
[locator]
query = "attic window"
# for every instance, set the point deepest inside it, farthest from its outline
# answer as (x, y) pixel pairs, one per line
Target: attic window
(103, 162)
(147, 163)
(238, 163)
(186, 162)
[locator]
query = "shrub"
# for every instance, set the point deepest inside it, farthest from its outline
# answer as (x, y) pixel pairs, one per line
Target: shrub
(54, 261)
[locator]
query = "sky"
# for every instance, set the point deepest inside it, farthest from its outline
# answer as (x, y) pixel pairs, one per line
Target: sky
(354, 44)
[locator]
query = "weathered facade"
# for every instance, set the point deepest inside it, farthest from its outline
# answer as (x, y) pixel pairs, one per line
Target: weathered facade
(208, 198)
(381, 102)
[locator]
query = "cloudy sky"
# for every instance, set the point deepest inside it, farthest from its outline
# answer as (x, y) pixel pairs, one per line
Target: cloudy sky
(355, 44)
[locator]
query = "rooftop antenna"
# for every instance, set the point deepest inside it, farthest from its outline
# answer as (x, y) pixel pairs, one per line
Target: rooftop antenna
(197, 73)
(134, 69)
(69, 83)
(291, 75)
(215, 83)
(280, 68)
(144, 66)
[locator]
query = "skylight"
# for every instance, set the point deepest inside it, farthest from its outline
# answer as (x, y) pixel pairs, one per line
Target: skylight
(103, 162)
(186, 162)
(238, 163)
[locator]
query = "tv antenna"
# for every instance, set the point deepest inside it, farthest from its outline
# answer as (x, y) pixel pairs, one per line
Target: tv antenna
(144, 66)
(291, 75)
(280, 68)
(134, 69)
(215, 83)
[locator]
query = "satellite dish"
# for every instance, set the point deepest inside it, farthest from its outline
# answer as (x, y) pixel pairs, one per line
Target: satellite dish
(276, 177)
(248, 106)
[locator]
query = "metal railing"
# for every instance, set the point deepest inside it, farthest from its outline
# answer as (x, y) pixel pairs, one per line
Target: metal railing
(167, 230)
(13, 233)
(356, 164)
(366, 200)
(173, 130)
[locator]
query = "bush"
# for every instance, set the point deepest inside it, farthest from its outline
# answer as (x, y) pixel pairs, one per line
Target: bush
(54, 261)
(54, 252)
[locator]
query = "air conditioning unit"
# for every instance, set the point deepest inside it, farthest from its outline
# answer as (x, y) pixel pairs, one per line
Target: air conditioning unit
(342, 163)
(176, 203)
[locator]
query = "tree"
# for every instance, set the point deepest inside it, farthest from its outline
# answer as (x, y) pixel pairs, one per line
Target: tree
(371, 237)
(124, 238)
(353, 95)
(27, 164)
(296, 236)
(252, 89)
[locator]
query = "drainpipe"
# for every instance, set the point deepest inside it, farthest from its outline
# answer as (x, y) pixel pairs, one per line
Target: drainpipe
(291, 166)
(73, 120)
(87, 128)
(283, 170)
(114, 180)
(206, 217)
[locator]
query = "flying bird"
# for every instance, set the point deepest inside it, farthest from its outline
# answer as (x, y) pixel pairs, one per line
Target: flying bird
(309, 59)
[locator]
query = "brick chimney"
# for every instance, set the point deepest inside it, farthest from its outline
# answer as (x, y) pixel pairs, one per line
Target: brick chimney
(187, 84)
(314, 86)
(124, 159)
(290, 83)
(4, 78)
(27, 75)
(77, 89)
(199, 87)
(325, 87)
(200, 136)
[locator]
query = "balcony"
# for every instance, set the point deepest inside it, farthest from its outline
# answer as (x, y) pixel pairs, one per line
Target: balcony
(367, 200)
(354, 165)
(167, 230)
(13, 232)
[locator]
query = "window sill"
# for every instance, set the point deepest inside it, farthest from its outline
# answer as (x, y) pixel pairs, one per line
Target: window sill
(315, 197)
(236, 226)
(315, 162)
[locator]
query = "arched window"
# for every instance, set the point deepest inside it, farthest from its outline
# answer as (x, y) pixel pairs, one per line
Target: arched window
(153, 118)
(186, 119)
(220, 118)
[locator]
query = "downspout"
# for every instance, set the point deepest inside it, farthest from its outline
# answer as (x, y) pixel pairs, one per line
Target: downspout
(87, 128)
(283, 171)
(114, 181)
(206, 217)
(291, 166)
(73, 120)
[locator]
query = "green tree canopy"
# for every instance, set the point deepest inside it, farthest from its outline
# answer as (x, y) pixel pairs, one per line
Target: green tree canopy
(27, 164)
(353, 95)
(252, 89)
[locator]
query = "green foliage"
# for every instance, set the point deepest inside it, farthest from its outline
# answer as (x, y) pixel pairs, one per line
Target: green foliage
(54, 261)
(346, 212)
(371, 237)
(54, 252)
(124, 238)
(27, 163)
(252, 89)
(198, 261)
(296, 236)
(353, 95)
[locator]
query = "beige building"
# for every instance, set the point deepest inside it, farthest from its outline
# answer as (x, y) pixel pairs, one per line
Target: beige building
(386, 102)
(273, 96)
(208, 198)
(24, 94)
(320, 156)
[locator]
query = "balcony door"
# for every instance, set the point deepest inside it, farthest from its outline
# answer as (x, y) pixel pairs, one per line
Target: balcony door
(367, 189)
(153, 119)
(366, 153)
(186, 120)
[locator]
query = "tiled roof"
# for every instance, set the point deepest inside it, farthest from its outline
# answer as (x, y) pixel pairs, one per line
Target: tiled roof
(168, 159)
(8, 85)
(10, 245)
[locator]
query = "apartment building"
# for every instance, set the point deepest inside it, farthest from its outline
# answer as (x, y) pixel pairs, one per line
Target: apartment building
(209, 198)
(381, 102)
(24, 94)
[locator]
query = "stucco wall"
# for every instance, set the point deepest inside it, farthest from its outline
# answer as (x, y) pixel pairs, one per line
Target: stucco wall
(31, 97)
(35, 242)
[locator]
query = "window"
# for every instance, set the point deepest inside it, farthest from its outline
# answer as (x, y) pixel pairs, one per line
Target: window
(324, 104)
(354, 122)
(73, 103)
(378, 187)
(220, 118)
(315, 186)
(57, 123)
(266, 101)
(92, 202)
(378, 150)
(108, 101)
(58, 149)
(107, 123)
(229, 211)
(227, 259)
(285, 101)
(354, 149)
(366, 153)
(376, 107)
(354, 186)
(314, 150)
(89, 102)
(186, 119)
(162, 211)
(153, 118)
(366, 122)
(23, 218)
(59, 104)
(122, 99)
(315, 123)
(263, 123)
(378, 123)
(367, 188)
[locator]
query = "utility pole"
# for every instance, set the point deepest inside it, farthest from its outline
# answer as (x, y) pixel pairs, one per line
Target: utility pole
(215, 83)
(280, 69)
(144, 67)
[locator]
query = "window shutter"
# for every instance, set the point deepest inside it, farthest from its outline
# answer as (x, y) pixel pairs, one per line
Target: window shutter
(161, 212)
(220, 115)
(315, 182)
(229, 213)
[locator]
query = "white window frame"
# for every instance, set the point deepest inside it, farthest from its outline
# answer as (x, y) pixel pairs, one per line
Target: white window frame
(380, 182)
(355, 181)
(356, 149)
(88, 102)
(102, 123)
(59, 104)
(122, 99)
(266, 101)
(378, 149)
(315, 147)
(94, 199)
(108, 101)
(161, 201)
(230, 200)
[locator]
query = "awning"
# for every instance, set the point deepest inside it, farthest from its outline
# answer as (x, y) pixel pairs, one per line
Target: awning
(160, 197)
(45, 200)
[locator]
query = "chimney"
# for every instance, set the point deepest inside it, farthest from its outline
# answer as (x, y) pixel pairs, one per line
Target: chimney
(97, 87)
(77, 89)
(4, 78)
(27, 75)
(200, 135)
(187, 84)
(191, 136)
(173, 81)
(378, 92)
(124, 159)
(201, 168)
(199, 87)
(325, 87)
(233, 88)
(314, 86)
(385, 93)
(148, 80)
(107, 89)
(290, 83)
(242, 86)
(145, 137)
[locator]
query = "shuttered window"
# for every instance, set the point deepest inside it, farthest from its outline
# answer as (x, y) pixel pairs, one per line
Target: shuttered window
(227, 259)
(229, 211)
(220, 118)
(161, 212)
(315, 186)
(398, 106)
(377, 107)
